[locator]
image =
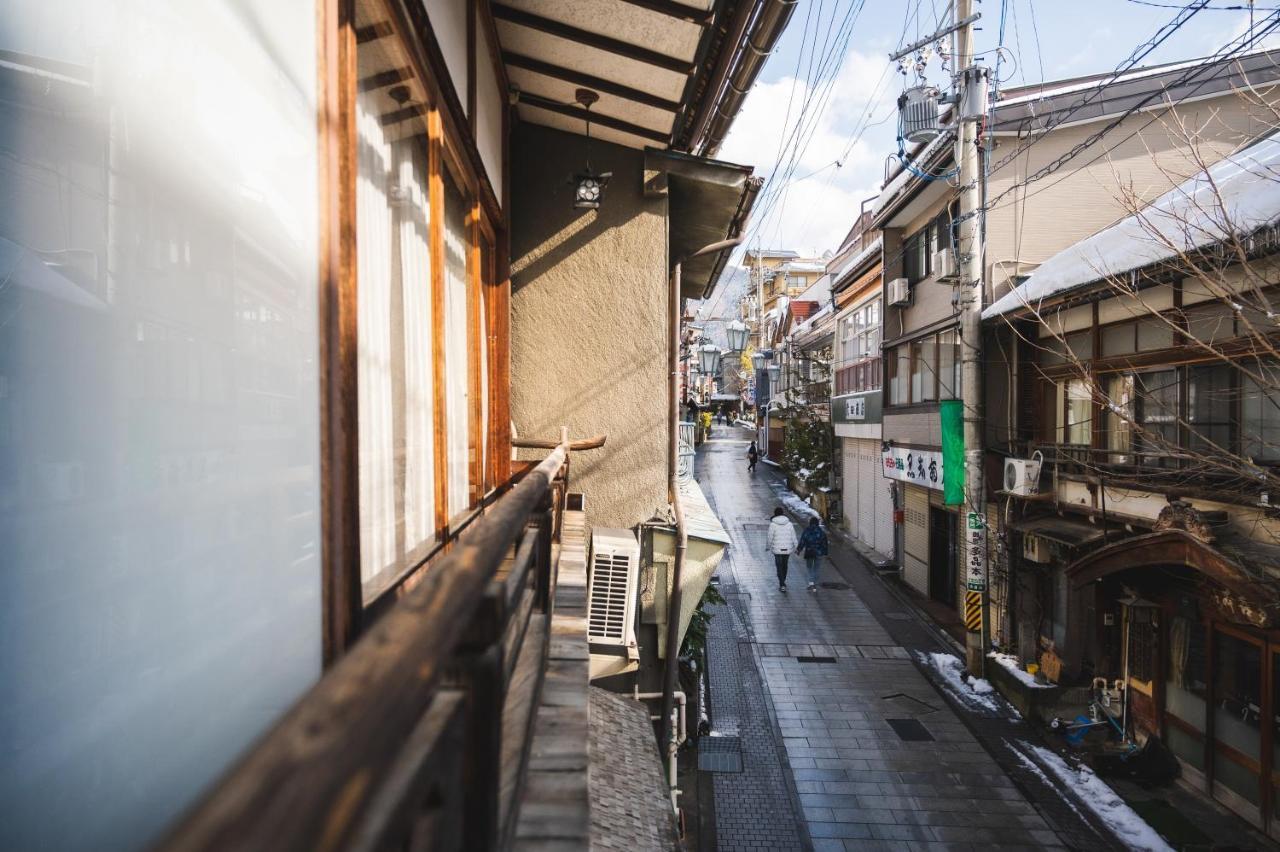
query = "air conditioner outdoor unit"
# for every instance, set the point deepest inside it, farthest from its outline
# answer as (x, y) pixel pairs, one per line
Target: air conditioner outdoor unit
(899, 292)
(944, 263)
(1022, 476)
(611, 588)
(1035, 549)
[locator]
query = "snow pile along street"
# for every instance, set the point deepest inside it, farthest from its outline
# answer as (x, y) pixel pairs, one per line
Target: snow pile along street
(1098, 796)
(974, 693)
(1010, 663)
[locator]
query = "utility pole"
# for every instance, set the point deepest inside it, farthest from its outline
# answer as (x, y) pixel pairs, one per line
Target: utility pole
(970, 105)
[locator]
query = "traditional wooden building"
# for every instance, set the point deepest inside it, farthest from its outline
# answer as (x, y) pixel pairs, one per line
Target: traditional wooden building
(1136, 516)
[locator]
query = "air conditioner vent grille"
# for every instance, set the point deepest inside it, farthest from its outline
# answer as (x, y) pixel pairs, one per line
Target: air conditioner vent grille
(612, 589)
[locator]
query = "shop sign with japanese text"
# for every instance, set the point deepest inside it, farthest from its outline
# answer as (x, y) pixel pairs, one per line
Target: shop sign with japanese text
(975, 554)
(919, 467)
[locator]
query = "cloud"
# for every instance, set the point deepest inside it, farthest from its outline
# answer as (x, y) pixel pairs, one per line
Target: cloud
(815, 208)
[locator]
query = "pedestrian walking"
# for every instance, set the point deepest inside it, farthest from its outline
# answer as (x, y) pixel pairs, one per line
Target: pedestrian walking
(753, 456)
(782, 543)
(813, 546)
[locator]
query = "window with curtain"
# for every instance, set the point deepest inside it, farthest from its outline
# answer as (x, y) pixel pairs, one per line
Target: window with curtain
(457, 351)
(395, 390)
(928, 368)
(899, 375)
(1078, 411)
(1119, 417)
(949, 365)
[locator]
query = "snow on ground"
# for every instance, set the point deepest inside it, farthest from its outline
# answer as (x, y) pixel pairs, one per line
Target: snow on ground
(974, 693)
(1010, 662)
(793, 504)
(1132, 830)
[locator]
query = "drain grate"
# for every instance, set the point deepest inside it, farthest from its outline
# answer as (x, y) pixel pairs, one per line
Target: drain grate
(910, 730)
(815, 659)
(909, 702)
(897, 616)
(844, 587)
(720, 754)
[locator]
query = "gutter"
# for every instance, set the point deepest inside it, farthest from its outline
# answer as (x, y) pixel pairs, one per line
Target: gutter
(737, 228)
(670, 674)
(753, 33)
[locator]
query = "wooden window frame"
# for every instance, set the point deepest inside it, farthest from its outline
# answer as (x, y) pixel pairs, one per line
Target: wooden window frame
(451, 145)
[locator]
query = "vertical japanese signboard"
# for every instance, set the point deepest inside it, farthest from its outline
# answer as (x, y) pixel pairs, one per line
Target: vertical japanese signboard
(975, 531)
(951, 413)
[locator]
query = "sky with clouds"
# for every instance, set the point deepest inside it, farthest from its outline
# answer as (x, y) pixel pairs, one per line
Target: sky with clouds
(846, 110)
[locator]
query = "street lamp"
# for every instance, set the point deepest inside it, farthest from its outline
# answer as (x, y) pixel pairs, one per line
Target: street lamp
(709, 358)
(757, 360)
(737, 332)
(773, 371)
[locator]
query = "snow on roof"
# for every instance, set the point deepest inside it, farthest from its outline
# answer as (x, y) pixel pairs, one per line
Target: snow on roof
(855, 261)
(1240, 193)
(802, 266)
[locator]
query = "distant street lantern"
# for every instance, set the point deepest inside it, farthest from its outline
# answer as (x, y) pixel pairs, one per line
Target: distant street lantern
(709, 358)
(757, 360)
(737, 331)
(773, 371)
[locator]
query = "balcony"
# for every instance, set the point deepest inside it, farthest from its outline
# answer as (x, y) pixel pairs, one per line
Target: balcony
(1164, 470)
(452, 722)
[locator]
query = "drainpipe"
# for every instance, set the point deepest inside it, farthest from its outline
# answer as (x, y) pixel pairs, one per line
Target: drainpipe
(751, 41)
(674, 745)
(682, 533)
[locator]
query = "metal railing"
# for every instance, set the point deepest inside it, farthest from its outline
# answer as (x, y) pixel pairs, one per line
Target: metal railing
(1159, 468)
(418, 738)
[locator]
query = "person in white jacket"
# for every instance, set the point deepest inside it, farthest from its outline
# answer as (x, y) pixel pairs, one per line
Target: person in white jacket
(782, 543)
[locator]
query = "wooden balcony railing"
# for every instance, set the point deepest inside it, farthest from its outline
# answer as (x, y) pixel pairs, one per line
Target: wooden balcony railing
(1163, 469)
(418, 738)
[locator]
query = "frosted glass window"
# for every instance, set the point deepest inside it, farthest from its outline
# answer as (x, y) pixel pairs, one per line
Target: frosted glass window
(160, 536)
(394, 335)
(457, 355)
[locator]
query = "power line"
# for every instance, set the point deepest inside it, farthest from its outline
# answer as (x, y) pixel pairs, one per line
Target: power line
(1222, 63)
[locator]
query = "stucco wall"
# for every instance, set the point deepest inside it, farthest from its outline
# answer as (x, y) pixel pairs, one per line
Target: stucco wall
(589, 320)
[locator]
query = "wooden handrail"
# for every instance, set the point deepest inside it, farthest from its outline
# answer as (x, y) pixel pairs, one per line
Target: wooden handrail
(394, 746)
(583, 444)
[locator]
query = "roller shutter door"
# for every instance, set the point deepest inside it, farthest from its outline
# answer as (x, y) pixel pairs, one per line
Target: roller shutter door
(916, 559)
(849, 472)
(868, 474)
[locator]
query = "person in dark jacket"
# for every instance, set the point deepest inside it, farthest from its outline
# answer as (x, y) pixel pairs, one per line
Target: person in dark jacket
(813, 546)
(753, 456)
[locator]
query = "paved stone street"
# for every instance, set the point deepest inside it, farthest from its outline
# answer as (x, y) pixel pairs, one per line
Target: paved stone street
(848, 745)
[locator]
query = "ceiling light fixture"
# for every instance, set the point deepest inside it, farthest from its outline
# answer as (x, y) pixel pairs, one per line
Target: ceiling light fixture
(589, 186)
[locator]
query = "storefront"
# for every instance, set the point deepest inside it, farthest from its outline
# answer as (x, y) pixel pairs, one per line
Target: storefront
(1188, 622)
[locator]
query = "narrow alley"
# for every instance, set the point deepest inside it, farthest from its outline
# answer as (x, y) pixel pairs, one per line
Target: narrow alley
(849, 745)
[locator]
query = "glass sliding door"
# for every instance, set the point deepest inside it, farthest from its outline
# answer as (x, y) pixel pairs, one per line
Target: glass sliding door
(1237, 722)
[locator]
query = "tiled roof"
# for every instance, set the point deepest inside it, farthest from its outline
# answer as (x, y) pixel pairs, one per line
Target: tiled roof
(630, 808)
(801, 311)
